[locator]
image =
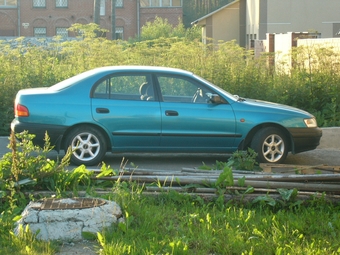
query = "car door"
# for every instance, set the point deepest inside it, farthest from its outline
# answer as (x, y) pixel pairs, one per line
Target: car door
(190, 122)
(125, 105)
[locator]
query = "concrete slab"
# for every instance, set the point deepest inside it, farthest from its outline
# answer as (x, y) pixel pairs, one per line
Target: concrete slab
(330, 138)
(4, 141)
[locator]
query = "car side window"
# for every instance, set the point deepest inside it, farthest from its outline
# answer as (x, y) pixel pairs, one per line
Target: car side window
(125, 87)
(178, 89)
(102, 90)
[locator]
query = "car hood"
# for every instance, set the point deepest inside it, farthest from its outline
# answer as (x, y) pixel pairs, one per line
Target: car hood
(273, 107)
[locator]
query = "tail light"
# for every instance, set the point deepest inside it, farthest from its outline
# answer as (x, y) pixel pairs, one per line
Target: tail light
(21, 111)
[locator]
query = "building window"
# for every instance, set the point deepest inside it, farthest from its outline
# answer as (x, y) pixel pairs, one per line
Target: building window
(166, 3)
(176, 3)
(39, 3)
(156, 3)
(40, 32)
(61, 31)
(102, 8)
(61, 3)
(119, 3)
(8, 3)
(119, 33)
(161, 3)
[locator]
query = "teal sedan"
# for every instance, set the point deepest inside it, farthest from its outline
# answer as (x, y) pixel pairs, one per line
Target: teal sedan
(158, 109)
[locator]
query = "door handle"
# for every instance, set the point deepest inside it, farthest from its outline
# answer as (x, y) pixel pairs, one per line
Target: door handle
(102, 110)
(171, 113)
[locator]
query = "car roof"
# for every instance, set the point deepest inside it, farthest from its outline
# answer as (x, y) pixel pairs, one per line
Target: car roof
(142, 68)
(107, 69)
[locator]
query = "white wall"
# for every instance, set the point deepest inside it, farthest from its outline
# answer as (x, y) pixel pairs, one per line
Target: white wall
(303, 16)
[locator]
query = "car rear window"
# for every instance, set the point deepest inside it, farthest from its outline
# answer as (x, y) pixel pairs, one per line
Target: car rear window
(72, 80)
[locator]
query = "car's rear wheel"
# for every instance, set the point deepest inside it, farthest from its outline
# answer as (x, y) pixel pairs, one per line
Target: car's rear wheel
(270, 144)
(87, 144)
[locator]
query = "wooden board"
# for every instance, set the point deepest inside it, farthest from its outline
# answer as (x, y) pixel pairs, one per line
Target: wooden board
(299, 169)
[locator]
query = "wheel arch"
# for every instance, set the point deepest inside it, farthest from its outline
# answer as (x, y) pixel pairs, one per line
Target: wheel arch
(245, 143)
(99, 128)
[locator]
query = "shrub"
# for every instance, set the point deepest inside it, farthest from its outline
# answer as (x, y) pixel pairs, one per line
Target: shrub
(315, 89)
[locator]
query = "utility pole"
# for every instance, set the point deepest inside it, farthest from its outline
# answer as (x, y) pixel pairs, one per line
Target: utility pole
(113, 19)
(96, 12)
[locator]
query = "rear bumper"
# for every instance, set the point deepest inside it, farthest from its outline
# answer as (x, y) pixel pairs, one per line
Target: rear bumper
(305, 139)
(54, 132)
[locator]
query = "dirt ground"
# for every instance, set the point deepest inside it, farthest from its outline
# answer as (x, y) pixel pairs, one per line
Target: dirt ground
(82, 247)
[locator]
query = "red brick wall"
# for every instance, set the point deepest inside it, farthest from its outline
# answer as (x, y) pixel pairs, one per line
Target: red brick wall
(171, 14)
(8, 22)
(81, 11)
(52, 17)
(126, 17)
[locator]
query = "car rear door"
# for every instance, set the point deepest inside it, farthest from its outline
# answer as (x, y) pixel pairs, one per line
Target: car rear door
(190, 122)
(133, 119)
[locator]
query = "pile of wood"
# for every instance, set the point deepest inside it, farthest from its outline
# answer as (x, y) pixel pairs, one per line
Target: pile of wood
(308, 180)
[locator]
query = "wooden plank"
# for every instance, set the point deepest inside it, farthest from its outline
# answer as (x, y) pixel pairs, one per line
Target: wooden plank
(333, 169)
(298, 169)
(185, 180)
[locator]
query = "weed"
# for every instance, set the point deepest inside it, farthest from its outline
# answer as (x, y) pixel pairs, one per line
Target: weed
(225, 179)
(287, 200)
(239, 160)
(244, 160)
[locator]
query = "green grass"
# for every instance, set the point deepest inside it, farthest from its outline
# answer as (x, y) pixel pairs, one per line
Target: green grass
(173, 223)
(177, 224)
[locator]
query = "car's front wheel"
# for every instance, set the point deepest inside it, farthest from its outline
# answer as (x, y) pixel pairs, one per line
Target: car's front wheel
(87, 144)
(270, 144)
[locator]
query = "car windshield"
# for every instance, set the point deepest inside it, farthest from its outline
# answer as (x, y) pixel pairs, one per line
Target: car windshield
(72, 80)
(235, 97)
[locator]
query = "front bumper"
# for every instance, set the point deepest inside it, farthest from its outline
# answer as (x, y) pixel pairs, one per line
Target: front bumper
(55, 132)
(305, 139)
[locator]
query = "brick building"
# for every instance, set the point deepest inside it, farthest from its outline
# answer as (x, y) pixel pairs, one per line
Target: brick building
(47, 18)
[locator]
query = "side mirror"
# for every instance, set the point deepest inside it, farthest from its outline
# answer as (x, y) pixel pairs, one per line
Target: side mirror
(214, 98)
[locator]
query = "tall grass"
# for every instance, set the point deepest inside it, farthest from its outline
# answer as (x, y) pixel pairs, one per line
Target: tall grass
(312, 84)
(176, 224)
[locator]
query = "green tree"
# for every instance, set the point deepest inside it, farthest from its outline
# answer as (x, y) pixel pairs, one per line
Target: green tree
(157, 29)
(90, 30)
(161, 28)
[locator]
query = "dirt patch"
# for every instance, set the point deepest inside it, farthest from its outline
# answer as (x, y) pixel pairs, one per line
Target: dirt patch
(83, 248)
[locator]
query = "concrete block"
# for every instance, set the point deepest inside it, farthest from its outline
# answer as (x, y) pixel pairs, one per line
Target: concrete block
(68, 224)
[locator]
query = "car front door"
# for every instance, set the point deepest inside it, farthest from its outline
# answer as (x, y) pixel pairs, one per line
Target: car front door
(190, 121)
(125, 105)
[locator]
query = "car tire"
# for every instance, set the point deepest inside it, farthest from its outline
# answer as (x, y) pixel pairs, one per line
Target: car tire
(87, 144)
(270, 144)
